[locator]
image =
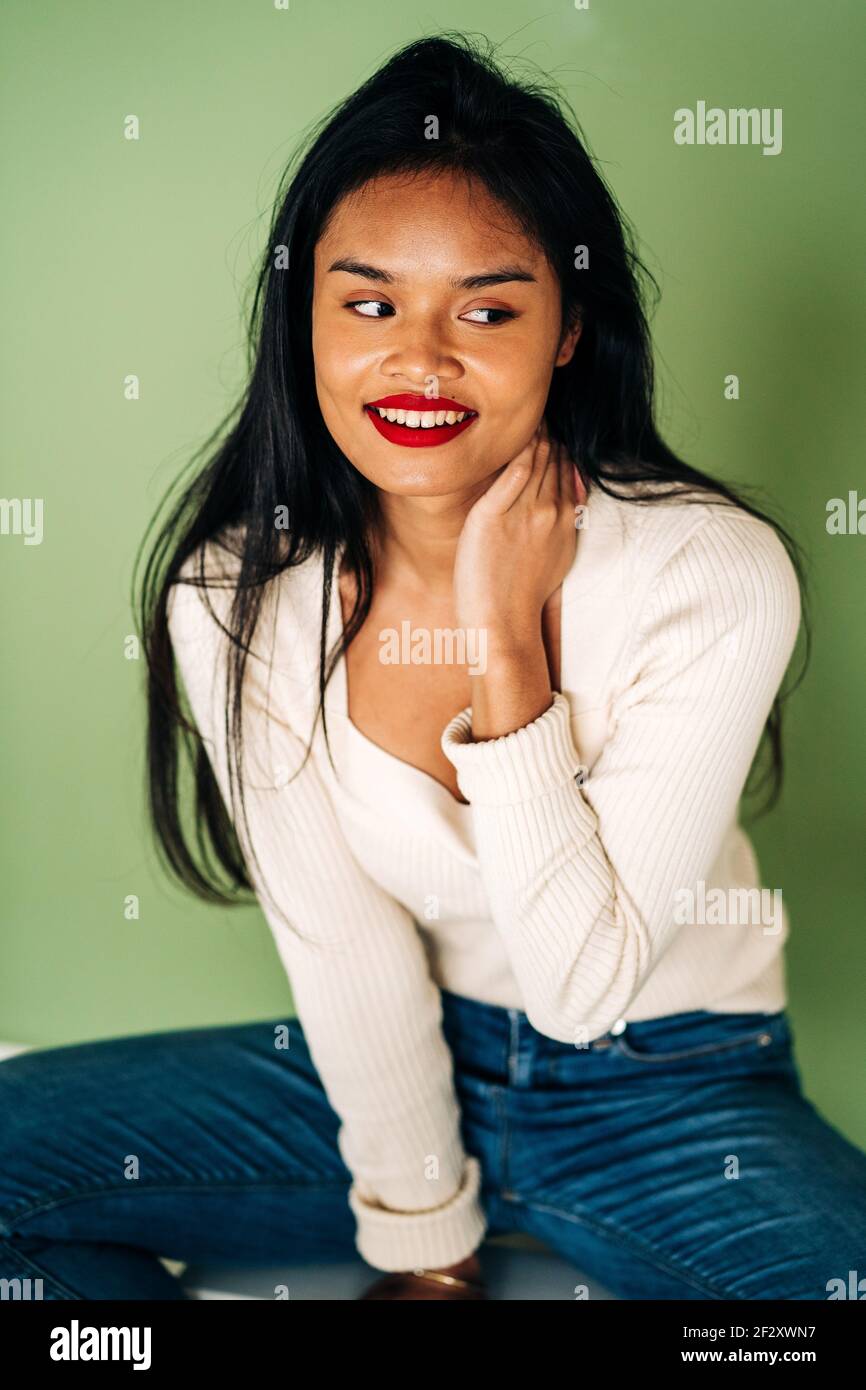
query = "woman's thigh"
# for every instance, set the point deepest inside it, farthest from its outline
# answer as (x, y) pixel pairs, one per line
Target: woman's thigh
(195, 1144)
(691, 1165)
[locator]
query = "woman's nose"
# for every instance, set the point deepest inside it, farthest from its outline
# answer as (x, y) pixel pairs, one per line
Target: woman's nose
(423, 350)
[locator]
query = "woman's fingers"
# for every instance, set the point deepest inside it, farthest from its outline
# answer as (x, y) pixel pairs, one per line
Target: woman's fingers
(580, 490)
(514, 478)
(559, 482)
(546, 473)
(538, 473)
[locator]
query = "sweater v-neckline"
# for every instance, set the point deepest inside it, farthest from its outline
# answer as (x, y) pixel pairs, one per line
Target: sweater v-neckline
(372, 750)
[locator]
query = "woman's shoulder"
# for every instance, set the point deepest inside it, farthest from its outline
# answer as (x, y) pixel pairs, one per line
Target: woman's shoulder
(699, 546)
(678, 576)
(201, 598)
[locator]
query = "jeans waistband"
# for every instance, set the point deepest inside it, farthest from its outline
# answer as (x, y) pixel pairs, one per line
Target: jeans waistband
(501, 1041)
(502, 1044)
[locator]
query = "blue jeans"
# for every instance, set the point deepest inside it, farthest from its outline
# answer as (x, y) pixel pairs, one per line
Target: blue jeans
(675, 1159)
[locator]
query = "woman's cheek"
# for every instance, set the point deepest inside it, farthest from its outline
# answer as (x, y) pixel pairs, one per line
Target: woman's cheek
(510, 436)
(332, 386)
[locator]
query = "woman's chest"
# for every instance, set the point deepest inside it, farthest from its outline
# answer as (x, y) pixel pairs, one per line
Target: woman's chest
(407, 678)
(403, 705)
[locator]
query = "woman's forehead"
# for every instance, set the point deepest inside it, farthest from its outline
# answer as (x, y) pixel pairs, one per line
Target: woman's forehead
(395, 221)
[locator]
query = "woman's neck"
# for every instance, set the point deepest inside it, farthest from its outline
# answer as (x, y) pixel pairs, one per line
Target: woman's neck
(415, 548)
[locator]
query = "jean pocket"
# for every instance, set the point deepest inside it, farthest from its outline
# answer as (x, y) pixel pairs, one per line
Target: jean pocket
(703, 1034)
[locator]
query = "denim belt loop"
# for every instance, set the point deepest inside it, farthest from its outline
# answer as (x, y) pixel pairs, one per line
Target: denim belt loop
(520, 1049)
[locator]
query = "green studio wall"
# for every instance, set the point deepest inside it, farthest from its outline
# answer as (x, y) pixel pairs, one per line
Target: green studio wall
(131, 256)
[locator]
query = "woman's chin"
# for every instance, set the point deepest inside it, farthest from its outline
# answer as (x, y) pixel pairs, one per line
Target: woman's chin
(409, 474)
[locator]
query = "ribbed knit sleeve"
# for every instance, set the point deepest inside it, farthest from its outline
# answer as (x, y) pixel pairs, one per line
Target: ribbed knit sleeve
(581, 872)
(359, 975)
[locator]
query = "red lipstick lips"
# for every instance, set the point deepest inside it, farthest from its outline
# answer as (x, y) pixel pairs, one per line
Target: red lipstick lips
(417, 436)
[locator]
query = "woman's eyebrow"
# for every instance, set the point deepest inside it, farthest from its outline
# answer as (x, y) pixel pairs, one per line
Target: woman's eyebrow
(502, 276)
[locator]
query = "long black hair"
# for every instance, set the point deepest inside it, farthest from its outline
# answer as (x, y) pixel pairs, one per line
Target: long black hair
(273, 449)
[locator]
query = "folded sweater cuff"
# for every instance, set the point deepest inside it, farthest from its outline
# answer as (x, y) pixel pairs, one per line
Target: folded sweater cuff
(396, 1240)
(534, 760)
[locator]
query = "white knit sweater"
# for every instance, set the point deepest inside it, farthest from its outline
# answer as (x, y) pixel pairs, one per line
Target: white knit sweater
(560, 888)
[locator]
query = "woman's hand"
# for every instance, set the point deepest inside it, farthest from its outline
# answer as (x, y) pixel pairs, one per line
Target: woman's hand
(408, 1286)
(516, 547)
(517, 544)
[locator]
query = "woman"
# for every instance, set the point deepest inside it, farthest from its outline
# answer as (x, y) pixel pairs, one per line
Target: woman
(539, 984)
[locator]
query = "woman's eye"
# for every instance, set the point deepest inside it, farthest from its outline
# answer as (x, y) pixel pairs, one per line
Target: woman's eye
(503, 314)
(363, 307)
(369, 309)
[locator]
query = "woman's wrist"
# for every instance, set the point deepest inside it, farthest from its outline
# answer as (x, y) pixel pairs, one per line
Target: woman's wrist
(461, 1281)
(470, 1268)
(514, 691)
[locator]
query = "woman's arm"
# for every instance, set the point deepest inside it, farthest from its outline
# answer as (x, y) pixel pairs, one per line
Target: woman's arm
(359, 975)
(582, 879)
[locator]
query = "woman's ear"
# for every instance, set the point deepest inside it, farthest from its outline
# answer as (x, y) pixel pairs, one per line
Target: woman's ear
(570, 339)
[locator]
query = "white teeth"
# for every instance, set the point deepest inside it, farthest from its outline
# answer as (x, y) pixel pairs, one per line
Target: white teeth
(421, 419)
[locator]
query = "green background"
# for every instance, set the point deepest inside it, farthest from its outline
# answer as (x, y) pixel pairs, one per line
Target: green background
(132, 257)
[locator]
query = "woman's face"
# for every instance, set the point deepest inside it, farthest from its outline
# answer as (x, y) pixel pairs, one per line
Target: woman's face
(424, 287)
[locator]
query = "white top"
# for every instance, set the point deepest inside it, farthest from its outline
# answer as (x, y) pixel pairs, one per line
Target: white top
(592, 878)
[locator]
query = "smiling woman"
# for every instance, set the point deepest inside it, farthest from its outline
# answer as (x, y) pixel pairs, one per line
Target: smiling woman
(405, 419)
(473, 878)
(474, 319)
(452, 386)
